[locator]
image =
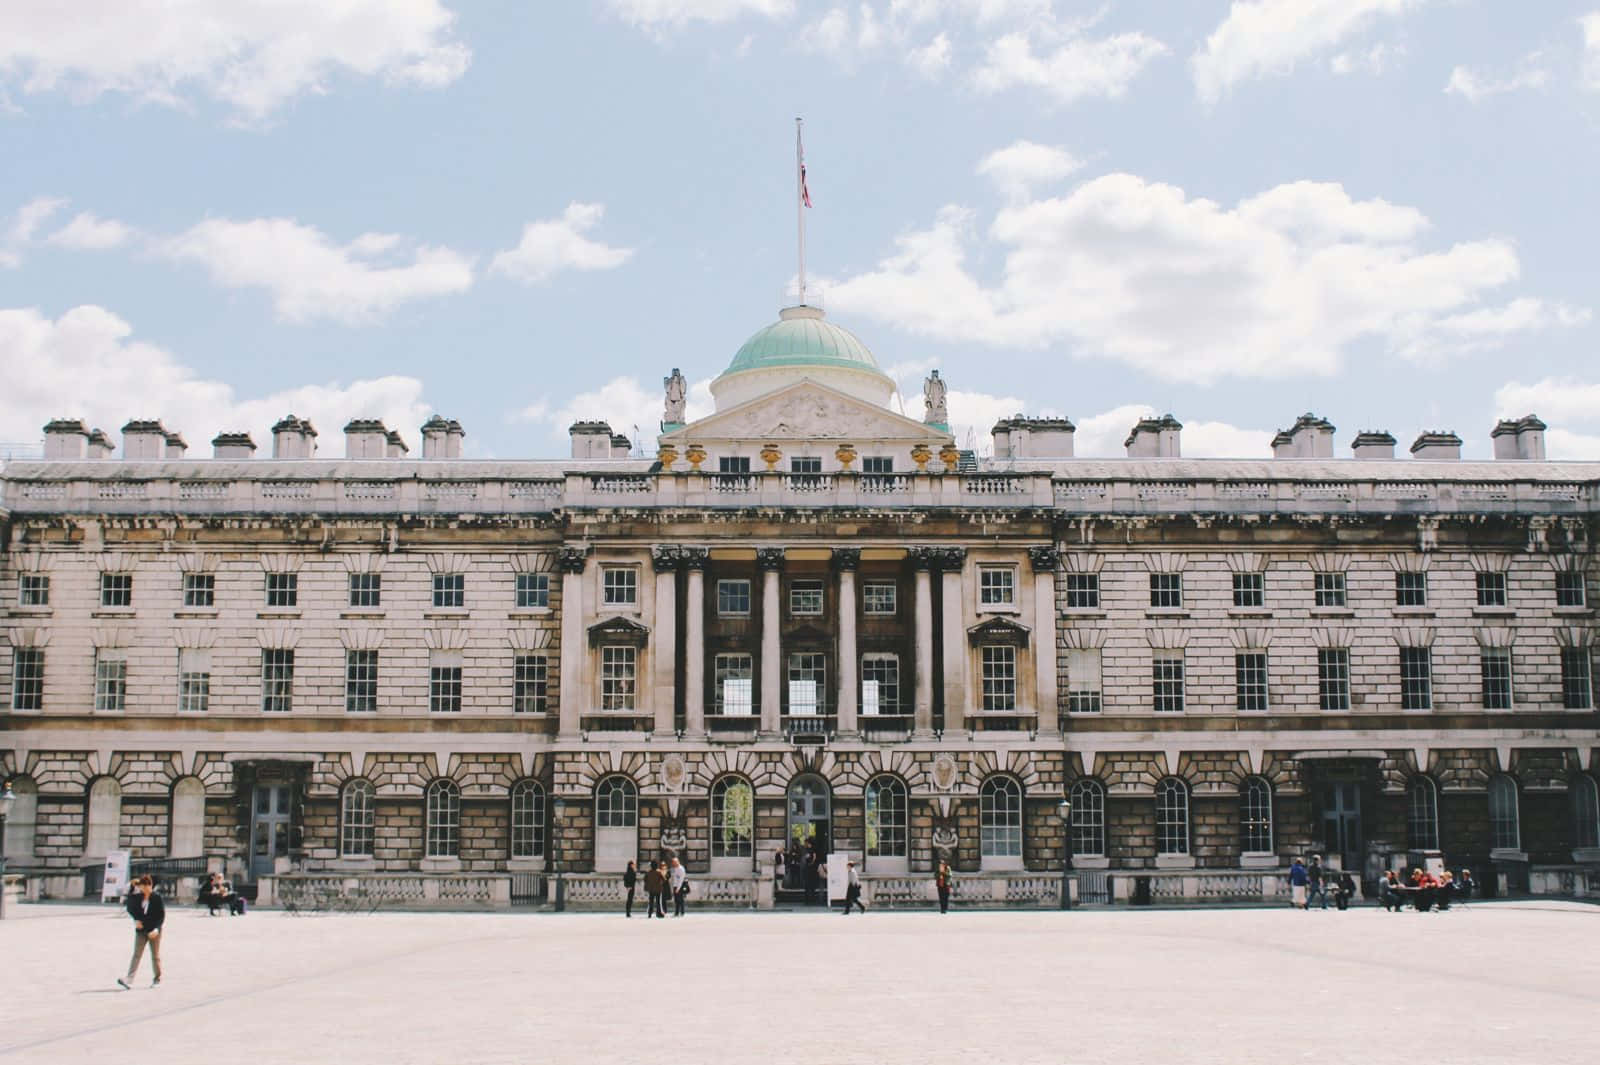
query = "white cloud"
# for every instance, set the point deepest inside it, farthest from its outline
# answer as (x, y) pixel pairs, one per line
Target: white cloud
(88, 233)
(24, 224)
(1187, 289)
(676, 13)
(932, 59)
(1475, 86)
(1555, 399)
(1017, 168)
(1263, 38)
(253, 55)
(1564, 445)
(50, 361)
(1374, 60)
(312, 278)
(1068, 70)
(1589, 25)
(625, 403)
(557, 244)
(1488, 327)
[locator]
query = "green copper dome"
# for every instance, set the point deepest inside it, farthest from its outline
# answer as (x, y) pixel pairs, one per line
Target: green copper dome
(801, 337)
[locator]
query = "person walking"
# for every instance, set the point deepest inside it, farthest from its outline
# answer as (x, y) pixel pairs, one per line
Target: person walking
(149, 913)
(852, 889)
(654, 886)
(813, 875)
(1298, 878)
(777, 870)
(680, 887)
(943, 881)
(1315, 885)
(630, 878)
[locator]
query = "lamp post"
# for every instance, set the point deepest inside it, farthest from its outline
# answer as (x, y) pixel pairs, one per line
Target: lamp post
(1064, 811)
(6, 799)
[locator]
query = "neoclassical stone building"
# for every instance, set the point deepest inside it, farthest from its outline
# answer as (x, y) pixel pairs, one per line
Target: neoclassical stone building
(807, 616)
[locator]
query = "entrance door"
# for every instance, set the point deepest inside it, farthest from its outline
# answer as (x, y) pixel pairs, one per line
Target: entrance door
(269, 828)
(809, 817)
(1341, 823)
(616, 824)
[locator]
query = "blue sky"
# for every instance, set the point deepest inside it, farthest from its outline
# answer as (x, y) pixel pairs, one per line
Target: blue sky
(512, 214)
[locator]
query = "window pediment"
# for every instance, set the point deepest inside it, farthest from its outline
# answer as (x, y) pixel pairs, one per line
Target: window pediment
(999, 630)
(618, 630)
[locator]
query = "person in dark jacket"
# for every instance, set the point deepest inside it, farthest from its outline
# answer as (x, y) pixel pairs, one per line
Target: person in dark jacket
(149, 913)
(1297, 884)
(1315, 882)
(655, 886)
(942, 882)
(630, 878)
(216, 894)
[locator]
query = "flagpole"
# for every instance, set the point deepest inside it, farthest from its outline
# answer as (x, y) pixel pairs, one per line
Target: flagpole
(800, 207)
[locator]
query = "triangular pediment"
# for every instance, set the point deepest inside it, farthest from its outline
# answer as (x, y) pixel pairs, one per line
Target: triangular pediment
(618, 629)
(807, 410)
(998, 630)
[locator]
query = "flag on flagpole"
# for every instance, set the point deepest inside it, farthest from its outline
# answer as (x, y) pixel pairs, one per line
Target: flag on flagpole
(805, 191)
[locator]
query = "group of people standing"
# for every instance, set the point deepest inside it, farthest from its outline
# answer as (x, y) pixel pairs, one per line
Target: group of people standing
(1307, 883)
(661, 881)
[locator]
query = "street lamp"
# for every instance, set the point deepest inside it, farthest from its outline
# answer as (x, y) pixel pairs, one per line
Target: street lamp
(1064, 811)
(6, 799)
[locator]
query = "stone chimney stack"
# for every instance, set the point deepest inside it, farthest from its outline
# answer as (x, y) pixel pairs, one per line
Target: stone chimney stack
(66, 439)
(441, 439)
(1155, 438)
(1437, 446)
(1310, 437)
(590, 440)
(1522, 438)
(1033, 438)
(100, 446)
(175, 446)
(293, 438)
(366, 438)
(395, 445)
(621, 446)
(1373, 444)
(144, 440)
(233, 446)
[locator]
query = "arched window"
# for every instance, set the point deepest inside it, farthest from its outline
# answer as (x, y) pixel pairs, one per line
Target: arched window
(1088, 798)
(733, 812)
(886, 817)
(527, 819)
(357, 818)
(104, 828)
(1585, 795)
(1255, 816)
(444, 819)
(21, 821)
(1422, 814)
(1504, 829)
(1172, 817)
(187, 838)
(1000, 818)
(616, 803)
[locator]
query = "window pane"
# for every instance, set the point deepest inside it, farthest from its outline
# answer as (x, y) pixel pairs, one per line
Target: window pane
(619, 586)
(1330, 589)
(357, 819)
(805, 598)
(366, 590)
(1422, 814)
(733, 598)
(1088, 799)
(1166, 674)
(449, 590)
(1249, 589)
(1491, 589)
(1000, 818)
(997, 585)
(361, 682)
(878, 597)
(283, 590)
(530, 684)
(1496, 671)
(617, 678)
(443, 820)
(732, 818)
(886, 817)
(1333, 678)
(527, 820)
(1255, 816)
(27, 678)
(1570, 589)
(533, 591)
(1172, 817)
(1576, 679)
(1166, 590)
(999, 677)
(1250, 680)
(1410, 589)
(1083, 591)
(1416, 678)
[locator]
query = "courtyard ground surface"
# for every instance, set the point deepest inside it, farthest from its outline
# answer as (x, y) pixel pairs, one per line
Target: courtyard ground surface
(1494, 983)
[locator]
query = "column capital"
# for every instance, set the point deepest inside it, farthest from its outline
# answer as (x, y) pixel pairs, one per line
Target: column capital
(572, 559)
(923, 558)
(951, 558)
(769, 558)
(666, 558)
(1044, 559)
(694, 557)
(846, 558)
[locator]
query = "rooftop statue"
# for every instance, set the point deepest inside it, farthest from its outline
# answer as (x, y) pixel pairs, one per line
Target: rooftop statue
(933, 392)
(677, 388)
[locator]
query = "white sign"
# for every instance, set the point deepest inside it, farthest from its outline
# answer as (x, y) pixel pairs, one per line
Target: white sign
(838, 875)
(115, 883)
(869, 698)
(802, 698)
(737, 697)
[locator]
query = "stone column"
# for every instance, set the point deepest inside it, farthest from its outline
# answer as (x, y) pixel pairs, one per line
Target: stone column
(1044, 561)
(845, 560)
(770, 561)
(664, 640)
(694, 639)
(954, 637)
(923, 558)
(574, 694)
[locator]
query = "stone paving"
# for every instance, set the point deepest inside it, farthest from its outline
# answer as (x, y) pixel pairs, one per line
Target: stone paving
(1494, 983)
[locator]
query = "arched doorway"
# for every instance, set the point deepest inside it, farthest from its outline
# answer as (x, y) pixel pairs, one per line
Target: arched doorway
(616, 824)
(810, 816)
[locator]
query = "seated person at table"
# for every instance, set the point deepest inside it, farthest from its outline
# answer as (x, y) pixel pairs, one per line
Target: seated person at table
(1389, 892)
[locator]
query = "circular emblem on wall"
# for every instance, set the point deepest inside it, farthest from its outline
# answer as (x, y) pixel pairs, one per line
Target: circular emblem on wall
(944, 772)
(673, 772)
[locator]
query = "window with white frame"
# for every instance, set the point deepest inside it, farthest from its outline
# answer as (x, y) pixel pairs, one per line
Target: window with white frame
(366, 591)
(1249, 590)
(1416, 678)
(527, 819)
(1083, 680)
(1410, 588)
(618, 676)
(1250, 680)
(805, 598)
(732, 818)
(449, 591)
(999, 674)
(283, 590)
(194, 680)
(22, 823)
(33, 589)
(200, 590)
(1570, 588)
(880, 683)
(733, 598)
(110, 680)
(1255, 816)
(619, 586)
(1495, 669)
(530, 684)
(879, 598)
(1505, 829)
(733, 464)
(116, 590)
(1083, 591)
(1000, 818)
(361, 682)
(1333, 678)
(277, 679)
(533, 591)
(1491, 589)
(443, 819)
(1172, 817)
(358, 819)
(732, 684)
(1329, 589)
(1422, 814)
(1088, 798)
(1166, 591)
(27, 678)
(807, 676)
(1584, 795)
(616, 803)
(1577, 678)
(1166, 682)
(444, 682)
(885, 797)
(997, 586)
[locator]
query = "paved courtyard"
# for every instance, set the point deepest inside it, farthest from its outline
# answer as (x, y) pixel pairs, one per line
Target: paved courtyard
(1495, 983)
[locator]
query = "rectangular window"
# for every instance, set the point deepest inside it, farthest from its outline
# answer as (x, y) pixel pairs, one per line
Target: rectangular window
(733, 465)
(732, 685)
(449, 590)
(194, 680)
(880, 684)
(1250, 680)
(1410, 589)
(27, 678)
(1166, 591)
(277, 680)
(807, 675)
(1495, 667)
(733, 599)
(530, 684)
(997, 585)
(110, 681)
(1083, 591)
(999, 677)
(1491, 589)
(533, 591)
(617, 676)
(1577, 679)
(805, 464)
(879, 464)
(283, 590)
(200, 590)
(1250, 590)
(1083, 681)
(1416, 678)
(116, 589)
(805, 598)
(33, 589)
(1329, 588)
(1166, 683)
(361, 682)
(366, 590)
(619, 586)
(444, 683)
(1570, 589)
(879, 598)
(1333, 678)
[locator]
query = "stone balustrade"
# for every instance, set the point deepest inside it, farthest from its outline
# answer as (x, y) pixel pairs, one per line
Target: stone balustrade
(446, 891)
